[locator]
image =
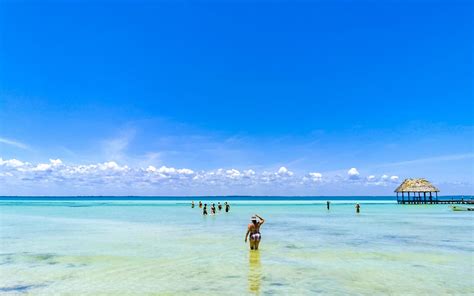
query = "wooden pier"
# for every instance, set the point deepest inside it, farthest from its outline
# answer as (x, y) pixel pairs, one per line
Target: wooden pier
(436, 201)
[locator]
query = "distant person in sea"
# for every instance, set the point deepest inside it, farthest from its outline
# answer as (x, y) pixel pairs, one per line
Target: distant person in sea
(200, 204)
(192, 204)
(357, 208)
(227, 207)
(204, 210)
(213, 209)
(219, 206)
(328, 204)
(253, 231)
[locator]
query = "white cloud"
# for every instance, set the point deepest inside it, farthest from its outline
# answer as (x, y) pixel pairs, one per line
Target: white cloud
(56, 162)
(353, 174)
(233, 173)
(249, 173)
(111, 165)
(185, 171)
(384, 180)
(284, 172)
(316, 177)
(42, 167)
(371, 178)
(167, 172)
(11, 163)
(151, 169)
(48, 166)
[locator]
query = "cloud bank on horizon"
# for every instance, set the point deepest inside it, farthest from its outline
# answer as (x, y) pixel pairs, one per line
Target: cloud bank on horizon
(112, 178)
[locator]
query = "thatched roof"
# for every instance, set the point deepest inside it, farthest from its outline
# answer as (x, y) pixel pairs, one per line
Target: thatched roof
(416, 185)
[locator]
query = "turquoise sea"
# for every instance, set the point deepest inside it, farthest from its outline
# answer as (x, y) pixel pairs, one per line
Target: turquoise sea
(161, 246)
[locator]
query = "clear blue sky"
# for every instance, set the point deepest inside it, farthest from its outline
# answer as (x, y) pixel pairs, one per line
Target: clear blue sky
(385, 87)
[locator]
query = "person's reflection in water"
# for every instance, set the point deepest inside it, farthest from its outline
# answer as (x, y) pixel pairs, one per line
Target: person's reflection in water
(255, 272)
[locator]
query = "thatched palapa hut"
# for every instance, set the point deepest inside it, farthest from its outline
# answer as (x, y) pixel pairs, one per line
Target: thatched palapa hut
(416, 187)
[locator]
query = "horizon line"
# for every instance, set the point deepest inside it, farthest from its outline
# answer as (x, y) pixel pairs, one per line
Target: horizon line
(215, 196)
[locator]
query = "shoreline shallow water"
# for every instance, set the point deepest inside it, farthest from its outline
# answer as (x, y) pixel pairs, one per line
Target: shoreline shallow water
(130, 247)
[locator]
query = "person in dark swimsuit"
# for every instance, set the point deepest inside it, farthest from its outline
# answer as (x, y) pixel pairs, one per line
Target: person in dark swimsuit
(253, 231)
(219, 206)
(357, 208)
(227, 207)
(204, 210)
(213, 209)
(192, 204)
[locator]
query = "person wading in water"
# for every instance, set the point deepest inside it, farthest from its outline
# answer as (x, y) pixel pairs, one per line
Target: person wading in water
(227, 207)
(253, 232)
(213, 209)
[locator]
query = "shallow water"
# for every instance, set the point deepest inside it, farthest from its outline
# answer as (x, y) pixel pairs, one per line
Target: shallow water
(164, 247)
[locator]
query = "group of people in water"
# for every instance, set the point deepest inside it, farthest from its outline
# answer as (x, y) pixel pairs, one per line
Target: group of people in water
(253, 229)
(202, 206)
(357, 206)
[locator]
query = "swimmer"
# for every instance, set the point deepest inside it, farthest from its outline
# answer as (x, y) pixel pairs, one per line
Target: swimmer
(357, 208)
(204, 210)
(213, 209)
(227, 207)
(327, 204)
(219, 206)
(200, 204)
(192, 204)
(253, 232)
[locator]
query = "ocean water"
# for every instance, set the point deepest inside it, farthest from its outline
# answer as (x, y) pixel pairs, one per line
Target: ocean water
(161, 246)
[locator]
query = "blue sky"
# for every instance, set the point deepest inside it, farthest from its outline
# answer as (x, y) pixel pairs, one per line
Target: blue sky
(187, 97)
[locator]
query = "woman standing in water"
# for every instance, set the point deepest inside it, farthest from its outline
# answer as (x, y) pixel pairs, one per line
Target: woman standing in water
(253, 231)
